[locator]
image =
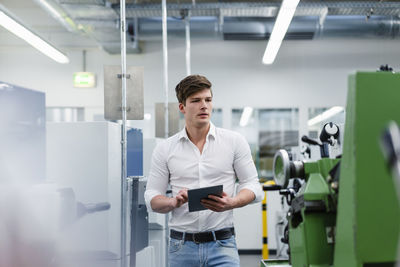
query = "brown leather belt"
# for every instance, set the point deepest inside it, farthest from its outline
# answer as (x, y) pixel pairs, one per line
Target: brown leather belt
(203, 237)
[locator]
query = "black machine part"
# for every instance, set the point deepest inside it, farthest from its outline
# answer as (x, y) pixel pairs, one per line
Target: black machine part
(310, 141)
(305, 150)
(323, 146)
(290, 193)
(330, 133)
(333, 178)
(390, 143)
(329, 136)
(82, 209)
(385, 68)
(390, 146)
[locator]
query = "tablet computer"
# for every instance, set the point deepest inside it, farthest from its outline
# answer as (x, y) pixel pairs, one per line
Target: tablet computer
(196, 195)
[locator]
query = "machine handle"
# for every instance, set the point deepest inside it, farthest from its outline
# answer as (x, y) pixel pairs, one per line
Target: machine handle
(310, 141)
(271, 187)
(82, 209)
(95, 207)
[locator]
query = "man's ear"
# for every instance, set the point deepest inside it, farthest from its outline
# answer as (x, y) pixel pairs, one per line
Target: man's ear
(182, 108)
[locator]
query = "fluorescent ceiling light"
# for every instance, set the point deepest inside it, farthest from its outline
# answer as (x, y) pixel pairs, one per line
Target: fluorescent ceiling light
(9, 22)
(282, 23)
(325, 115)
(246, 114)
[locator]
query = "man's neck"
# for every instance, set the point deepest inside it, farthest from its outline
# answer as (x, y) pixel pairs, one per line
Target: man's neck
(197, 134)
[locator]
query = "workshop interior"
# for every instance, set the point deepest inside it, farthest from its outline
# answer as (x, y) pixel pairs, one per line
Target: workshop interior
(87, 93)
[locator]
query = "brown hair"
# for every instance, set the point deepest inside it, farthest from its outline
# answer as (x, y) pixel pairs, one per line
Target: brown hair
(190, 85)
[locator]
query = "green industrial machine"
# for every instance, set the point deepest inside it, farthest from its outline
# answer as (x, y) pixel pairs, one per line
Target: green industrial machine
(344, 211)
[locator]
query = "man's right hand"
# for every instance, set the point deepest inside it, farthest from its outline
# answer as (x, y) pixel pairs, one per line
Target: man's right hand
(180, 198)
(164, 204)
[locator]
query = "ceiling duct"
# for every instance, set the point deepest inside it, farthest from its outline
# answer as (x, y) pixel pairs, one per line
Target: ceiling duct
(302, 28)
(230, 20)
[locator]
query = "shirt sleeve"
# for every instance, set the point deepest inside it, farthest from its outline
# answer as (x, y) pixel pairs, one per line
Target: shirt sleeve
(157, 182)
(245, 169)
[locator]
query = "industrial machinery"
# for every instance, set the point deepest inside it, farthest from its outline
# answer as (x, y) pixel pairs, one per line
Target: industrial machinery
(60, 190)
(344, 210)
(33, 211)
(91, 166)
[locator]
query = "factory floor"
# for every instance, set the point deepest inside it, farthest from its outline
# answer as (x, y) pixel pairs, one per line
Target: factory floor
(250, 260)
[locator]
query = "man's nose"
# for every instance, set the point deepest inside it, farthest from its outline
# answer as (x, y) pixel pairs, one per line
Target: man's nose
(203, 104)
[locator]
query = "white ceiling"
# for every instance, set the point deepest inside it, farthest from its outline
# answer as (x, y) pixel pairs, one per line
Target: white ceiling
(33, 16)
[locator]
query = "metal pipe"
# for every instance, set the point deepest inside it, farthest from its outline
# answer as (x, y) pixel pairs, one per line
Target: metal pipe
(251, 28)
(165, 60)
(57, 11)
(123, 135)
(136, 33)
(187, 31)
(84, 60)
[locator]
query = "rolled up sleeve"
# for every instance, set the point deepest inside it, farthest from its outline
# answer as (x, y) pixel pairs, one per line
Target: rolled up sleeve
(245, 169)
(157, 182)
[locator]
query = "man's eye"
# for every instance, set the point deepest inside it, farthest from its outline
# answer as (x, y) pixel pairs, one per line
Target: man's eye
(195, 100)
(208, 100)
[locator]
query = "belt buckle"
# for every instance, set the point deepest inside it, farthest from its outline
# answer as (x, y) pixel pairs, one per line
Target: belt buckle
(194, 239)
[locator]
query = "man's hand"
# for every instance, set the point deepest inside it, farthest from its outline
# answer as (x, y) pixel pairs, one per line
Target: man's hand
(163, 204)
(180, 198)
(219, 204)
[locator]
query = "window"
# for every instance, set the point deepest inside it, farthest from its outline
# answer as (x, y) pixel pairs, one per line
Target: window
(65, 114)
(267, 130)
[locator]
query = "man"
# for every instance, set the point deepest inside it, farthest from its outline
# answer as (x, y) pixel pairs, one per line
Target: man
(201, 155)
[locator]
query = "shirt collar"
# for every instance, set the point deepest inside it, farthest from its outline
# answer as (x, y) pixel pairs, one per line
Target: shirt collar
(211, 132)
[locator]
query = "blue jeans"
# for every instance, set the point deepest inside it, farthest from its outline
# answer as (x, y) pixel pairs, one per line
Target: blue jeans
(218, 253)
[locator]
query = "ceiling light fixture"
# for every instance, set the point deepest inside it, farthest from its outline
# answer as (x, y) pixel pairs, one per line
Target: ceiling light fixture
(246, 114)
(12, 24)
(285, 15)
(325, 115)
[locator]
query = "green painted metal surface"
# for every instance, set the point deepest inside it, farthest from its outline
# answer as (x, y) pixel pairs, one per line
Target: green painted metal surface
(308, 238)
(368, 211)
(360, 225)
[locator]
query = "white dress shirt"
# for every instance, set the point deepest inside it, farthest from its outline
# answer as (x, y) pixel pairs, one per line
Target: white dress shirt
(226, 155)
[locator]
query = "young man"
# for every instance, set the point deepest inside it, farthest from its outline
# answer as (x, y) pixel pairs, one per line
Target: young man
(201, 155)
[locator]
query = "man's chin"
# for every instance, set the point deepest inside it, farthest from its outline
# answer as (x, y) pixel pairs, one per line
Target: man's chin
(203, 122)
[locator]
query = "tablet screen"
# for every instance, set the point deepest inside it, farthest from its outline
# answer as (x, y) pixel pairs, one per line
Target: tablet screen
(196, 195)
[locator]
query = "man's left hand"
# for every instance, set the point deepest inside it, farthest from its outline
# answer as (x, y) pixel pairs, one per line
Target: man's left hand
(219, 204)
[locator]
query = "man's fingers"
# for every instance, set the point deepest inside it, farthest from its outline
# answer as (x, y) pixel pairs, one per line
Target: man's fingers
(185, 197)
(184, 194)
(212, 207)
(216, 198)
(211, 203)
(180, 200)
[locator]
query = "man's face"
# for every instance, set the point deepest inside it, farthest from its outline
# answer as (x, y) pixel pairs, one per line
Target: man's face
(198, 108)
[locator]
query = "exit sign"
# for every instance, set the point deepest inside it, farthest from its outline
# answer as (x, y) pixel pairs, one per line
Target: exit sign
(84, 79)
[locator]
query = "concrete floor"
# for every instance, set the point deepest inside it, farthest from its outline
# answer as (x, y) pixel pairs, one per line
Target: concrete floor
(250, 260)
